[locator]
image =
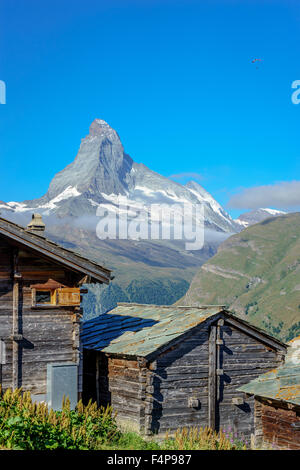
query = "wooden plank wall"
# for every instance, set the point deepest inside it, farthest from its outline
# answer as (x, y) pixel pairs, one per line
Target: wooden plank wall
(125, 391)
(49, 335)
(274, 424)
(186, 372)
(178, 375)
(243, 358)
(187, 384)
(6, 303)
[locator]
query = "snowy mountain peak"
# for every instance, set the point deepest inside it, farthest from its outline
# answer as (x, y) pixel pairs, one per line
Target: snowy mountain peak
(102, 173)
(100, 128)
(256, 216)
(100, 164)
(274, 212)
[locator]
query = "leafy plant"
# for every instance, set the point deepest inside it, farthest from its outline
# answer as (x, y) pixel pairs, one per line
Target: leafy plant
(28, 425)
(202, 439)
(25, 425)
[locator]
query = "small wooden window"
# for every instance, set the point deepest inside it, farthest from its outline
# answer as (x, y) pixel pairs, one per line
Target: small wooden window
(43, 296)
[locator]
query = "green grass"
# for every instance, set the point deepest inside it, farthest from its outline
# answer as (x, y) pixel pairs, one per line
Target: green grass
(131, 441)
(184, 439)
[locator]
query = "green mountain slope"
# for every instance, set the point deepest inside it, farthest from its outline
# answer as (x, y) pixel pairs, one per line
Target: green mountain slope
(162, 291)
(257, 274)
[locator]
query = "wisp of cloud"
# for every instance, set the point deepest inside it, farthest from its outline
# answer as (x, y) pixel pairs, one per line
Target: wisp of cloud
(283, 195)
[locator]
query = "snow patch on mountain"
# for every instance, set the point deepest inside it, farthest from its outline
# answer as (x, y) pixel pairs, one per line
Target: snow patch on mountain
(273, 211)
(256, 216)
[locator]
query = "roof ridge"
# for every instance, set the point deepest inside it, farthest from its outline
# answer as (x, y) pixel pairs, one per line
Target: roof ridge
(129, 304)
(13, 230)
(77, 253)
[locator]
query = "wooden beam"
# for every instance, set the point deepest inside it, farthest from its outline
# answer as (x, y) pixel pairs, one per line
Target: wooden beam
(15, 320)
(97, 379)
(219, 370)
(212, 383)
(85, 280)
(80, 372)
(2, 357)
(56, 252)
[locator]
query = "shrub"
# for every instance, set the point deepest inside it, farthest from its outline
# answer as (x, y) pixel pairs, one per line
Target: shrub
(28, 425)
(201, 439)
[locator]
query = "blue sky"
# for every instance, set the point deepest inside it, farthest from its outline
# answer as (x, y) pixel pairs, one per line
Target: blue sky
(174, 78)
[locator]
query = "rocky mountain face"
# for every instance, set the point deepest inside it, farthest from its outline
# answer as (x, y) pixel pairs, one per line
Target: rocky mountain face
(256, 216)
(104, 176)
(102, 173)
(256, 273)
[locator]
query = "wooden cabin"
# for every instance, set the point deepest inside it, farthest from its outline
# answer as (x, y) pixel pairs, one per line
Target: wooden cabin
(277, 403)
(40, 294)
(166, 367)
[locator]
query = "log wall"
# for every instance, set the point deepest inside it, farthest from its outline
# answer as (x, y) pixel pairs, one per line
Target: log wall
(179, 375)
(192, 384)
(273, 428)
(243, 358)
(46, 334)
(124, 388)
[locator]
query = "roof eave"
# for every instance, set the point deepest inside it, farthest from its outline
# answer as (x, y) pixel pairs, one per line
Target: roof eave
(34, 242)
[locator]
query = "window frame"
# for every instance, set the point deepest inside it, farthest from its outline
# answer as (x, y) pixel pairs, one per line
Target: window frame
(54, 296)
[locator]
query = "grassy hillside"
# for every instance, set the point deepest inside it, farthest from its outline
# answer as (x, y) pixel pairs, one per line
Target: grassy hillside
(257, 274)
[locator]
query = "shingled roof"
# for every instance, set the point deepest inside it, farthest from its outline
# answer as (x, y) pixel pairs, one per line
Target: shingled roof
(56, 252)
(141, 330)
(281, 384)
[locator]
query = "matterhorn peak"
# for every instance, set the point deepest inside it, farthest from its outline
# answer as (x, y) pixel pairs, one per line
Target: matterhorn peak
(100, 128)
(102, 172)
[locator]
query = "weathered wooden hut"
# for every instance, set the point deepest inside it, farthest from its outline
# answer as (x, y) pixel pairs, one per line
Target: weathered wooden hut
(40, 311)
(165, 367)
(277, 403)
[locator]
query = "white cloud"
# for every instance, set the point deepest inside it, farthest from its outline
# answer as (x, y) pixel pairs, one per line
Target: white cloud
(284, 195)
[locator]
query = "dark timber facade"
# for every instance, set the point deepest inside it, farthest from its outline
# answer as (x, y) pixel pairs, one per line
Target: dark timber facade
(39, 306)
(277, 403)
(163, 368)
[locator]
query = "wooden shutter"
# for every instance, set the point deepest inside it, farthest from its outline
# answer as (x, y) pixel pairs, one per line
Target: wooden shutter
(68, 296)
